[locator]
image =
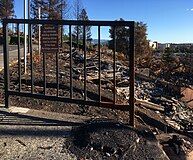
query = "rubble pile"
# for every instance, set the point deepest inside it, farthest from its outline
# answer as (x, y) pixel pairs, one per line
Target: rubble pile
(178, 75)
(176, 146)
(150, 93)
(101, 139)
(176, 113)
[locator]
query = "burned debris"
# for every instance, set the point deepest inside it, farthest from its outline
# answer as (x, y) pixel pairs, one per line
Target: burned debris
(159, 103)
(102, 139)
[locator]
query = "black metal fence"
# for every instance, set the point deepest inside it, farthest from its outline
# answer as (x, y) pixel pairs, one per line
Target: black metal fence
(9, 92)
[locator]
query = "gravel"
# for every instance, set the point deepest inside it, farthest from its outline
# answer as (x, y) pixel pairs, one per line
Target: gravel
(31, 143)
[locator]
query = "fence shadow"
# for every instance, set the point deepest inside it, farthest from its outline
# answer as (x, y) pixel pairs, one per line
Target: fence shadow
(15, 124)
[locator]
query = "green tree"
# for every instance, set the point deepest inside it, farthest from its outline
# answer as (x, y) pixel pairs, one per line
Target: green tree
(122, 35)
(53, 9)
(191, 49)
(50, 9)
(142, 48)
(6, 9)
(77, 8)
(78, 30)
(84, 17)
(168, 55)
(170, 61)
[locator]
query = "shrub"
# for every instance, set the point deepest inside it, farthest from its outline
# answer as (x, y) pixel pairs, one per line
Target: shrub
(14, 40)
(2, 39)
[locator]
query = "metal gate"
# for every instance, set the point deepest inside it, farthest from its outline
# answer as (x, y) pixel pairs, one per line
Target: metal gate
(98, 103)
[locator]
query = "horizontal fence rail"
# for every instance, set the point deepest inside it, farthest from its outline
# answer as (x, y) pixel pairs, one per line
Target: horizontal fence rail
(85, 101)
(71, 22)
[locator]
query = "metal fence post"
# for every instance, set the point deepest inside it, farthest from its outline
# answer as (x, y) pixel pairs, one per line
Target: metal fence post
(132, 73)
(6, 62)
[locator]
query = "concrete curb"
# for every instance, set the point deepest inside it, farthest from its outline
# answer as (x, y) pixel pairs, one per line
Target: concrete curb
(44, 114)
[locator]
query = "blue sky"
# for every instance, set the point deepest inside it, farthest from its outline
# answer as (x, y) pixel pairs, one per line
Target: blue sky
(167, 20)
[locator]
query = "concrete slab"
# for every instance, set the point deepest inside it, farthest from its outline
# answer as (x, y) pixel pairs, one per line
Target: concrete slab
(18, 110)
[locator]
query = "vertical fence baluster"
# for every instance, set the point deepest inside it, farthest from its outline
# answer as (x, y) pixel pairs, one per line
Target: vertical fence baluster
(71, 82)
(31, 59)
(61, 36)
(114, 65)
(6, 63)
(19, 56)
(57, 73)
(77, 38)
(85, 71)
(44, 71)
(132, 73)
(57, 62)
(99, 61)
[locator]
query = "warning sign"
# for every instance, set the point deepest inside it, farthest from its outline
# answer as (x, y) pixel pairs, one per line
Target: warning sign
(49, 39)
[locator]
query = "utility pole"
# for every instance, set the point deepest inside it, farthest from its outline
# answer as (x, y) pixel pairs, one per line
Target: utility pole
(61, 27)
(39, 17)
(25, 39)
(29, 29)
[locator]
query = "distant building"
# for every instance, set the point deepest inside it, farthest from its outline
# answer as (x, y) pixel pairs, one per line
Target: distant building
(163, 46)
(182, 46)
(153, 45)
(188, 45)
